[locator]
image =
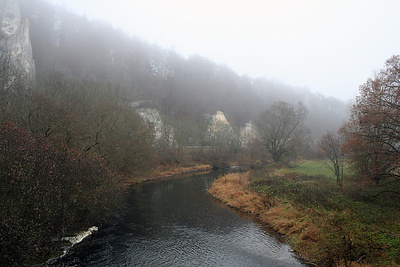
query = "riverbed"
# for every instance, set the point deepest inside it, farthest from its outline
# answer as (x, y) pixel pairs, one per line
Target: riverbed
(175, 222)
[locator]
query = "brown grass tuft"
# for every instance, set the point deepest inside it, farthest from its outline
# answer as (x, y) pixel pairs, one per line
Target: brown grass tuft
(232, 189)
(323, 225)
(283, 217)
(311, 233)
(344, 263)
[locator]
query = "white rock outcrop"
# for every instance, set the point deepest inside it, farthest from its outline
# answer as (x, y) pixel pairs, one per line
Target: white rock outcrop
(249, 134)
(152, 117)
(15, 45)
(81, 235)
(163, 134)
(219, 129)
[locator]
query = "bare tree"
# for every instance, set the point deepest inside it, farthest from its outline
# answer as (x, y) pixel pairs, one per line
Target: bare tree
(281, 128)
(330, 147)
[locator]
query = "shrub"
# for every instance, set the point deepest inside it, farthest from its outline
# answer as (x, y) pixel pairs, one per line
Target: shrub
(340, 225)
(46, 192)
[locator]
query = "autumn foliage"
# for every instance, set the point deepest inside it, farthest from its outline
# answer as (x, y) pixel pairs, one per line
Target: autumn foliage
(46, 193)
(373, 132)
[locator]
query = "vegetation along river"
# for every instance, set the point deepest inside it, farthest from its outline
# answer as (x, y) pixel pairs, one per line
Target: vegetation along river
(175, 222)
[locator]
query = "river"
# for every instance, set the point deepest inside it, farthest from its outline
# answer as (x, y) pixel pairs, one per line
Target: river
(174, 222)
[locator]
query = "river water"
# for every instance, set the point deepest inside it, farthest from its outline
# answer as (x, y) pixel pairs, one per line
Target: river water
(175, 222)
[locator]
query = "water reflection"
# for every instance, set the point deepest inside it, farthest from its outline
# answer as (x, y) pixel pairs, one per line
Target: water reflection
(176, 223)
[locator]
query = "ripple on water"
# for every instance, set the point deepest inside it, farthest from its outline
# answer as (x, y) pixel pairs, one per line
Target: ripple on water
(174, 223)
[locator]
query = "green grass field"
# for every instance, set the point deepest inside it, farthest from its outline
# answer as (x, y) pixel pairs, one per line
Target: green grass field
(310, 168)
(314, 167)
(352, 225)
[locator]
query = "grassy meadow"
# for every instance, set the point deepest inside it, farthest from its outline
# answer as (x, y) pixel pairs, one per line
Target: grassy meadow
(327, 225)
(314, 168)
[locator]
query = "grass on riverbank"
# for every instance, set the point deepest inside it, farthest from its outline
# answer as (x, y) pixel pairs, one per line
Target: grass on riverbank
(325, 224)
(162, 171)
(314, 168)
(232, 189)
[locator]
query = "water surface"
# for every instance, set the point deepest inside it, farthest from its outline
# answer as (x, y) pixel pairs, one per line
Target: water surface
(176, 223)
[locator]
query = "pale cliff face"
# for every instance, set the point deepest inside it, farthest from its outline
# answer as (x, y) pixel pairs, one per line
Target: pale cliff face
(220, 118)
(151, 116)
(249, 133)
(161, 132)
(220, 130)
(10, 17)
(15, 44)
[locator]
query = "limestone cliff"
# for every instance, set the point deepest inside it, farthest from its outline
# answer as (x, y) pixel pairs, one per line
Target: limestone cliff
(163, 134)
(219, 129)
(15, 46)
(249, 134)
(152, 118)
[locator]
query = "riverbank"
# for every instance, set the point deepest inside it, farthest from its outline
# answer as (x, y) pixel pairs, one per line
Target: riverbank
(175, 217)
(326, 226)
(60, 247)
(163, 171)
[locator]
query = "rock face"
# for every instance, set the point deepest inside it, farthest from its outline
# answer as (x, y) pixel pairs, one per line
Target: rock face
(15, 45)
(163, 135)
(219, 129)
(221, 132)
(152, 117)
(248, 134)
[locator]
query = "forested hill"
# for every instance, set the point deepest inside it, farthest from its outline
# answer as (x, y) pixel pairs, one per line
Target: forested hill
(182, 89)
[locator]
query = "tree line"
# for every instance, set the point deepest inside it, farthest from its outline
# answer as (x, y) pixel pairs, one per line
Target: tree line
(372, 134)
(183, 88)
(67, 149)
(71, 142)
(369, 140)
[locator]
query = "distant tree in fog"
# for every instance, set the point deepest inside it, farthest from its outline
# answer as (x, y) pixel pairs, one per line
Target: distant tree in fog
(330, 148)
(281, 127)
(184, 89)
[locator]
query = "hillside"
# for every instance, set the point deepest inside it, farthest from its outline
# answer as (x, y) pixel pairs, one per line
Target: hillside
(184, 89)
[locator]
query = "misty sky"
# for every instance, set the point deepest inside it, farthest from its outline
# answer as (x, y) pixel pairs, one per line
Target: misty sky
(329, 46)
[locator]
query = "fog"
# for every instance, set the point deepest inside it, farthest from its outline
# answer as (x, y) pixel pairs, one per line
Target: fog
(89, 107)
(330, 47)
(71, 47)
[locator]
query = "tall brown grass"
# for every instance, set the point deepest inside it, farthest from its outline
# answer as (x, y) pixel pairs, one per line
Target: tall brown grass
(231, 189)
(298, 224)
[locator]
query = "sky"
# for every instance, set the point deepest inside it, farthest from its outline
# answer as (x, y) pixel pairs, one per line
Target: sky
(326, 46)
